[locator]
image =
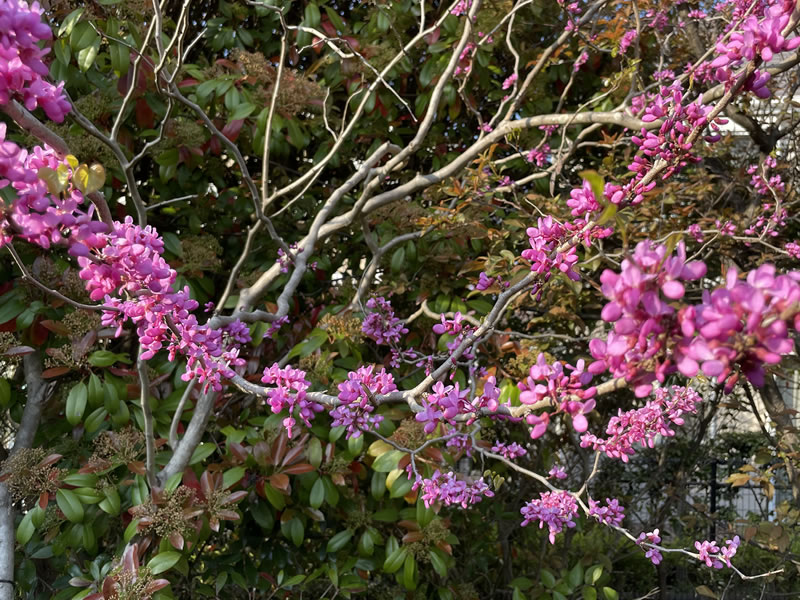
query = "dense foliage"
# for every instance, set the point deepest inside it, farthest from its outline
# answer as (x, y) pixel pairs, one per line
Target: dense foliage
(399, 300)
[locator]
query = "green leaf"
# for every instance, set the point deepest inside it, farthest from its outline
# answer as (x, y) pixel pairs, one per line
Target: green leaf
(82, 36)
(378, 485)
(610, 594)
(76, 403)
(335, 19)
(69, 23)
(232, 476)
(81, 479)
(522, 583)
(314, 452)
(111, 503)
(338, 541)
(312, 16)
(589, 593)
(593, 573)
(174, 481)
(95, 391)
(93, 422)
(70, 505)
(548, 579)
(575, 576)
(163, 561)
(387, 461)
(202, 452)
(120, 58)
(317, 495)
(275, 497)
(609, 212)
(5, 392)
(437, 562)
(395, 560)
(242, 111)
(263, 515)
(106, 358)
(26, 529)
(398, 260)
(10, 310)
(296, 531)
(173, 244)
(87, 56)
(366, 546)
(410, 572)
(401, 486)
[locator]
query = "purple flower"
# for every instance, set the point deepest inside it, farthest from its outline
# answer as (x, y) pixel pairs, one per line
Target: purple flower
(554, 509)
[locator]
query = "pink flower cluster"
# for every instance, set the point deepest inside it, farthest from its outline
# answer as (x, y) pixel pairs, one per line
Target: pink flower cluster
(582, 200)
(670, 141)
(357, 407)
(545, 239)
(22, 70)
(759, 37)
(539, 155)
(37, 216)
(128, 272)
(443, 404)
(642, 316)
(381, 324)
(556, 472)
(654, 554)
(450, 326)
(760, 183)
(627, 39)
(509, 451)
(565, 391)
(742, 324)
(448, 489)
(461, 8)
(710, 553)
(642, 425)
(554, 509)
(484, 282)
(290, 394)
(610, 514)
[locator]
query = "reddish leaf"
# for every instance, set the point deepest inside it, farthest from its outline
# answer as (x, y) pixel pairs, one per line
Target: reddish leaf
(239, 451)
(434, 454)
(55, 326)
(44, 498)
(299, 468)
(145, 118)
(232, 129)
(236, 497)
(412, 536)
(297, 450)
(408, 525)
(49, 460)
(156, 585)
(280, 481)
(137, 467)
(176, 539)
(279, 448)
(19, 350)
(261, 453)
(55, 372)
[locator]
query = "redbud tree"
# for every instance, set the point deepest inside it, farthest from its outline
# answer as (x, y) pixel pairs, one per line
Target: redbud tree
(388, 298)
